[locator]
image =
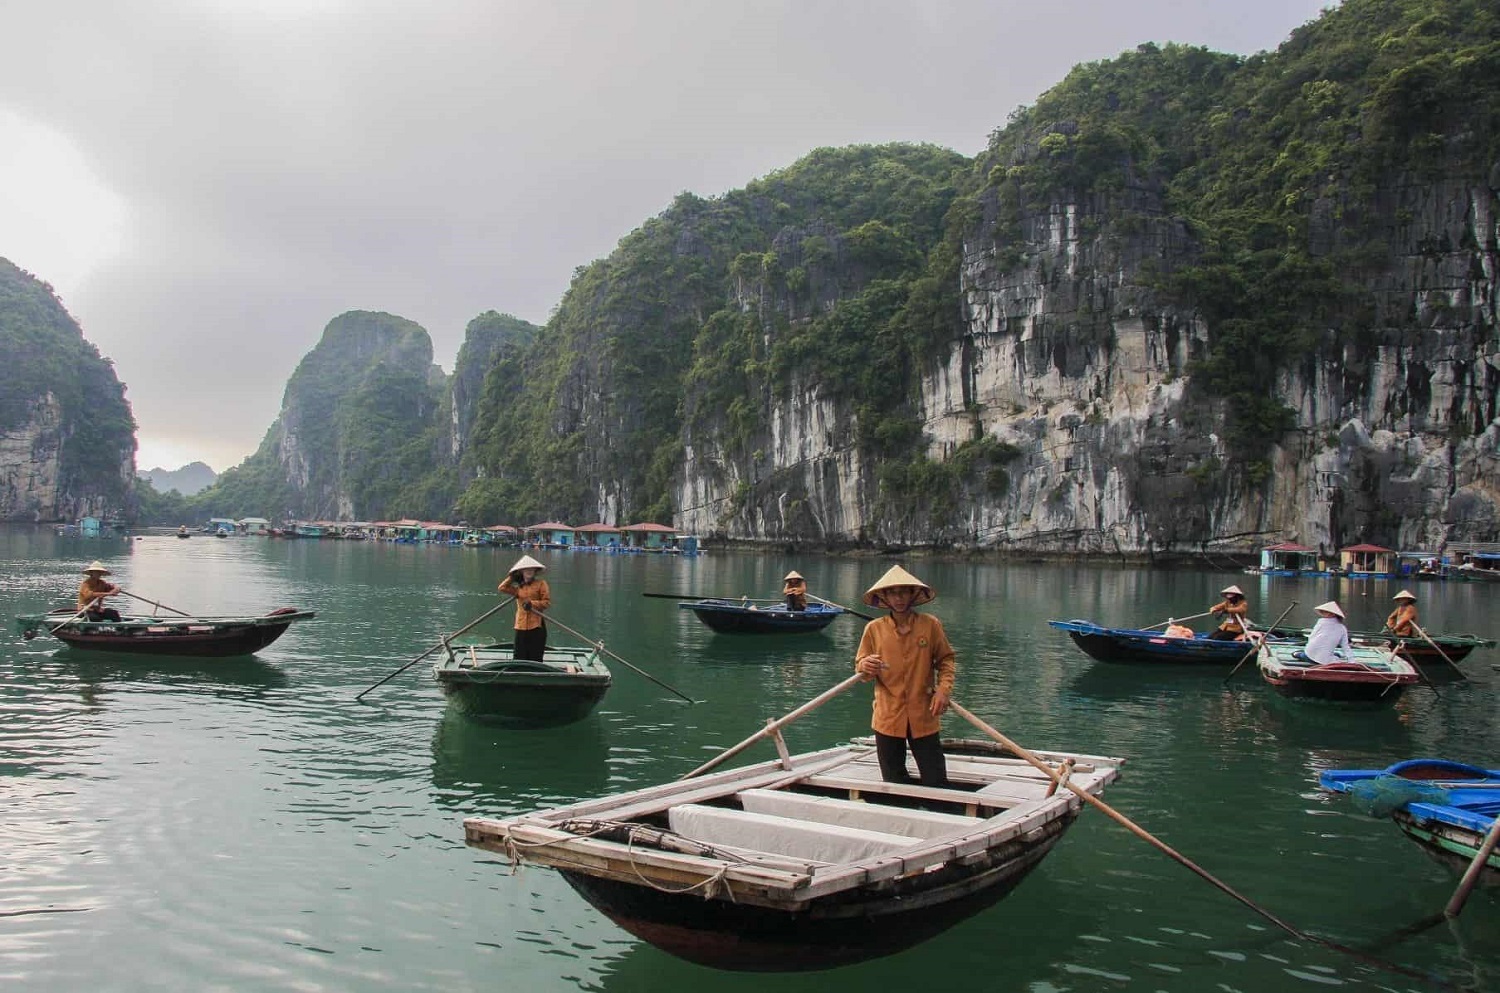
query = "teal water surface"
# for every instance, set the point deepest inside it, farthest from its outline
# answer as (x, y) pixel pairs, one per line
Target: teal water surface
(245, 824)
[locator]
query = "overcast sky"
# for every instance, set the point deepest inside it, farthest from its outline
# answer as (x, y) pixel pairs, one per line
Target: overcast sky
(206, 183)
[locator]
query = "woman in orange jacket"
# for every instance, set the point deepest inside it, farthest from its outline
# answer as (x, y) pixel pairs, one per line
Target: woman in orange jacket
(532, 597)
(908, 656)
(1403, 620)
(1236, 612)
(794, 588)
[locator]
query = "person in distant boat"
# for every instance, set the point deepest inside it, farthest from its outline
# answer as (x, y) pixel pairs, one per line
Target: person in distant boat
(93, 590)
(908, 656)
(1403, 620)
(1235, 612)
(794, 588)
(1329, 636)
(533, 596)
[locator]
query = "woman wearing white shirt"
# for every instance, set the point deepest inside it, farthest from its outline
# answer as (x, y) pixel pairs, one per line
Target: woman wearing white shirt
(1328, 635)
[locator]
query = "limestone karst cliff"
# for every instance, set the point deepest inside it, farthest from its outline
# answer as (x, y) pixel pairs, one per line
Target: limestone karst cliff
(67, 435)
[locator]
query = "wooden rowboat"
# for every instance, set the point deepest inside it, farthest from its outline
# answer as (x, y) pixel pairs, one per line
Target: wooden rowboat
(1414, 648)
(1365, 675)
(810, 861)
(489, 681)
(1141, 645)
(762, 616)
(1448, 815)
(212, 637)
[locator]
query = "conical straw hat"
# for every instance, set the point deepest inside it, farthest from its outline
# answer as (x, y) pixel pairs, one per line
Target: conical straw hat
(897, 576)
(97, 566)
(1231, 589)
(1405, 595)
(794, 574)
(527, 562)
(1331, 608)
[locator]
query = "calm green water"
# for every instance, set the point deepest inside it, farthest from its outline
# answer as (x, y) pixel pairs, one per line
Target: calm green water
(246, 825)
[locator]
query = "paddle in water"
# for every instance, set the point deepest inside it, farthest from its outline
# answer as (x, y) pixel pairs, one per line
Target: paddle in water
(552, 618)
(441, 645)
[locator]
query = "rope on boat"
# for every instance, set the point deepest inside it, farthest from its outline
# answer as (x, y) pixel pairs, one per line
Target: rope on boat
(592, 829)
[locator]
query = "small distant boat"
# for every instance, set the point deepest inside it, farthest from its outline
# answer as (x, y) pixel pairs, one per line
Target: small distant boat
(747, 616)
(489, 681)
(1141, 645)
(1364, 675)
(211, 637)
(808, 862)
(1446, 807)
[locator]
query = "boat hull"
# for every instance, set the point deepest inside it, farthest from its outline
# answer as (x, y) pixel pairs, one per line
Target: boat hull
(1449, 826)
(1364, 677)
(855, 927)
(184, 637)
(490, 683)
(1135, 647)
(729, 617)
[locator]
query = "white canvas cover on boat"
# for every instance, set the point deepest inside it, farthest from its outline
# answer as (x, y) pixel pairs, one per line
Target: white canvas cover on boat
(783, 835)
(854, 813)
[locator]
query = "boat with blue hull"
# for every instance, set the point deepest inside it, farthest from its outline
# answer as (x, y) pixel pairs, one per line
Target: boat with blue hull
(1139, 645)
(762, 616)
(1445, 807)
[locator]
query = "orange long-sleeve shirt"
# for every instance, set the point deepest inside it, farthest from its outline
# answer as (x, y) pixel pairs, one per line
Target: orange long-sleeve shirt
(1403, 621)
(94, 586)
(916, 663)
(1234, 615)
(535, 593)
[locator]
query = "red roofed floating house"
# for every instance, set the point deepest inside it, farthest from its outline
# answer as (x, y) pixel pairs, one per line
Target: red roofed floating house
(1367, 562)
(599, 536)
(549, 534)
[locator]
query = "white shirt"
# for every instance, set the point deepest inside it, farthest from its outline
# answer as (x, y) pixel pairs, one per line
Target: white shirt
(1328, 635)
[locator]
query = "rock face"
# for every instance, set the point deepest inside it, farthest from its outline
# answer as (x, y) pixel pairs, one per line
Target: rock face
(490, 338)
(67, 435)
(189, 479)
(353, 421)
(1071, 360)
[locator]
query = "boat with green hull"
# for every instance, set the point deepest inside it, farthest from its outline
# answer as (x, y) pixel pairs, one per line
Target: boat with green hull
(488, 681)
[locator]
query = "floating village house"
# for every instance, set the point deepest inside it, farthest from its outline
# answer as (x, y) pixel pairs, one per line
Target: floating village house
(649, 536)
(550, 534)
(254, 525)
(1367, 562)
(1290, 559)
(599, 536)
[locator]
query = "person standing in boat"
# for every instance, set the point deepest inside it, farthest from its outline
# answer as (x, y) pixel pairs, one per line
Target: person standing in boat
(1328, 637)
(1403, 620)
(93, 590)
(908, 656)
(1235, 612)
(794, 588)
(533, 596)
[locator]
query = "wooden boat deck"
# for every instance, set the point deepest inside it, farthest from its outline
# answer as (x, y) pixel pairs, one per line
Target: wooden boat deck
(699, 832)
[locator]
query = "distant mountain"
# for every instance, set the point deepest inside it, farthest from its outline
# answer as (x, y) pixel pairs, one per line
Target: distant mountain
(188, 480)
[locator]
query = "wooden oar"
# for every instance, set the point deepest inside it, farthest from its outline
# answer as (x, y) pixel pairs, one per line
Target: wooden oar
(1439, 649)
(600, 645)
(70, 620)
(847, 610)
(773, 726)
(1471, 874)
(1176, 620)
(1256, 647)
(1415, 668)
(181, 613)
(1168, 850)
(441, 645)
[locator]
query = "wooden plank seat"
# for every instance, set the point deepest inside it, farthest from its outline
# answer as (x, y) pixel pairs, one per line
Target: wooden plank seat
(854, 813)
(783, 835)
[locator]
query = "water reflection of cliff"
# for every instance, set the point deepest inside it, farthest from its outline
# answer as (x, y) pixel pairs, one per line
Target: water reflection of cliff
(485, 769)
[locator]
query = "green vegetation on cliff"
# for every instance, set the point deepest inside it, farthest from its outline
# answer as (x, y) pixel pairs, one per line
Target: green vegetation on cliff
(47, 355)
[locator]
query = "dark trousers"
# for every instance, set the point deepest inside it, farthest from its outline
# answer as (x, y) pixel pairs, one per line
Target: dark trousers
(1222, 635)
(932, 767)
(103, 614)
(795, 601)
(532, 645)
